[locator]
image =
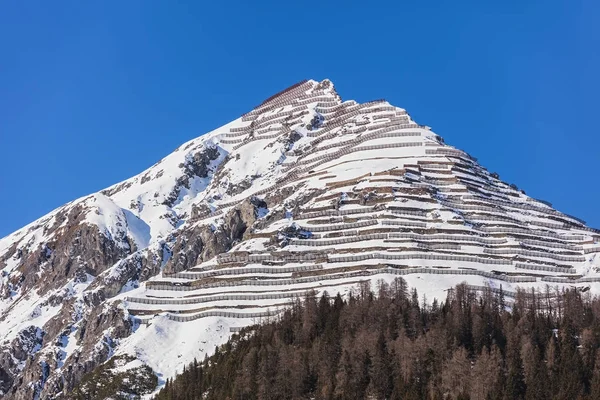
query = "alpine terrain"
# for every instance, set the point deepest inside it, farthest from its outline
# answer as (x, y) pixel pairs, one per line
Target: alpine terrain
(304, 192)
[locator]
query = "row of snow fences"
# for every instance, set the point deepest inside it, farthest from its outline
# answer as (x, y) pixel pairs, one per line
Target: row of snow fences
(441, 182)
(371, 147)
(338, 276)
(326, 228)
(405, 211)
(330, 242)
(553, 244)
(273, 313)
(442, 167)
(349, 150)
(223, 314)
(530, 253)
(471, 216)
(555, 279)
(238, 132)
(271, 118)
(231, 141)
(394, 120)
(211, 298)
(245, 297)
(524, 206)
(548, 224)
(311, 100)
(426, 169)
(448, 189)
(591, 250)
(502, 229)
(210, 214)
(256, 282)
(226, 258)
(387, 131)
(412, 224)
(418, 256)
(239, 129)
(313, 94)
(387, 115)
(326, 213)
(336, 111)
(329, 125)
(245, 270)
(382, 109)
(279, 119)
(445, 151)
(281, 101)
(301, 87)
(246, 141)
(455, 237)
(327, 136)
(463, 206)
(269, 128)
(547, 268)
(479, 288)
(342, 119)
(439, 246)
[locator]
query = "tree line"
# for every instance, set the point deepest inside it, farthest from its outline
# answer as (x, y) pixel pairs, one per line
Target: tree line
(387, 343)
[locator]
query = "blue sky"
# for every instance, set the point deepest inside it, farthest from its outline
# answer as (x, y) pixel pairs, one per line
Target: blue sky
(92, 93)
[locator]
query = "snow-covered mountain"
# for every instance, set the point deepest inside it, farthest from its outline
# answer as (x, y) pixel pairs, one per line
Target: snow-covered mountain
(304, 192)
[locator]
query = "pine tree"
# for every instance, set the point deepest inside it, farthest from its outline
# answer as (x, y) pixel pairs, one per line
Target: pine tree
(381, 372)
(515, 379)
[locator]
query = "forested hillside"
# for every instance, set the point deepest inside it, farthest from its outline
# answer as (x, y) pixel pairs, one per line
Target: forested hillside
(384, 344)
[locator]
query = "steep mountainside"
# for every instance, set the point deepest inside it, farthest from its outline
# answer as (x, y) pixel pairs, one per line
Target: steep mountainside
(306, 191)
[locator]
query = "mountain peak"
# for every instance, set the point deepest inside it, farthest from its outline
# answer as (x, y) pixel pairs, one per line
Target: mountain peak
(304, 192)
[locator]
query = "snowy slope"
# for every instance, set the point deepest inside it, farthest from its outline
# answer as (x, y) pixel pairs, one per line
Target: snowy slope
(305, 192)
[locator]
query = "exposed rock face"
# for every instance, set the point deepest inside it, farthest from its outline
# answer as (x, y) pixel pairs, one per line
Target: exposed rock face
(26, 343)
(116, 379)
(196, 165)
(204, 242)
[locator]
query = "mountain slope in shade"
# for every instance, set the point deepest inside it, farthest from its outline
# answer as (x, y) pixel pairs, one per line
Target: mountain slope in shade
(306, 191)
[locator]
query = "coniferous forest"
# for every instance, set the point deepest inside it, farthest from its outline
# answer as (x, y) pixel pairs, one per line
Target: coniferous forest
(387, 343)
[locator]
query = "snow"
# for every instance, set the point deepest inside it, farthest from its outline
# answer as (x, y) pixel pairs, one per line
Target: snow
(28, 310)
(166, 346)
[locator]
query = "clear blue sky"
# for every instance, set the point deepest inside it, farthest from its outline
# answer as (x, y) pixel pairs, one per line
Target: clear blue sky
(92, 93)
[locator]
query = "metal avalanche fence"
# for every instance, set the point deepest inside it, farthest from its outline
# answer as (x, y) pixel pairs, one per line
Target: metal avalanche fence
(555, 279)
(554, 245)
(362, 256)
(270, 313)
(223, 314)
(329, 242)
(273, 313)
(245, 270)
(325, 228)
(366, 272)
(421, 256)
(480, 288)
(220, 297)
(547, 268)
(529, 253)
(456, 238)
